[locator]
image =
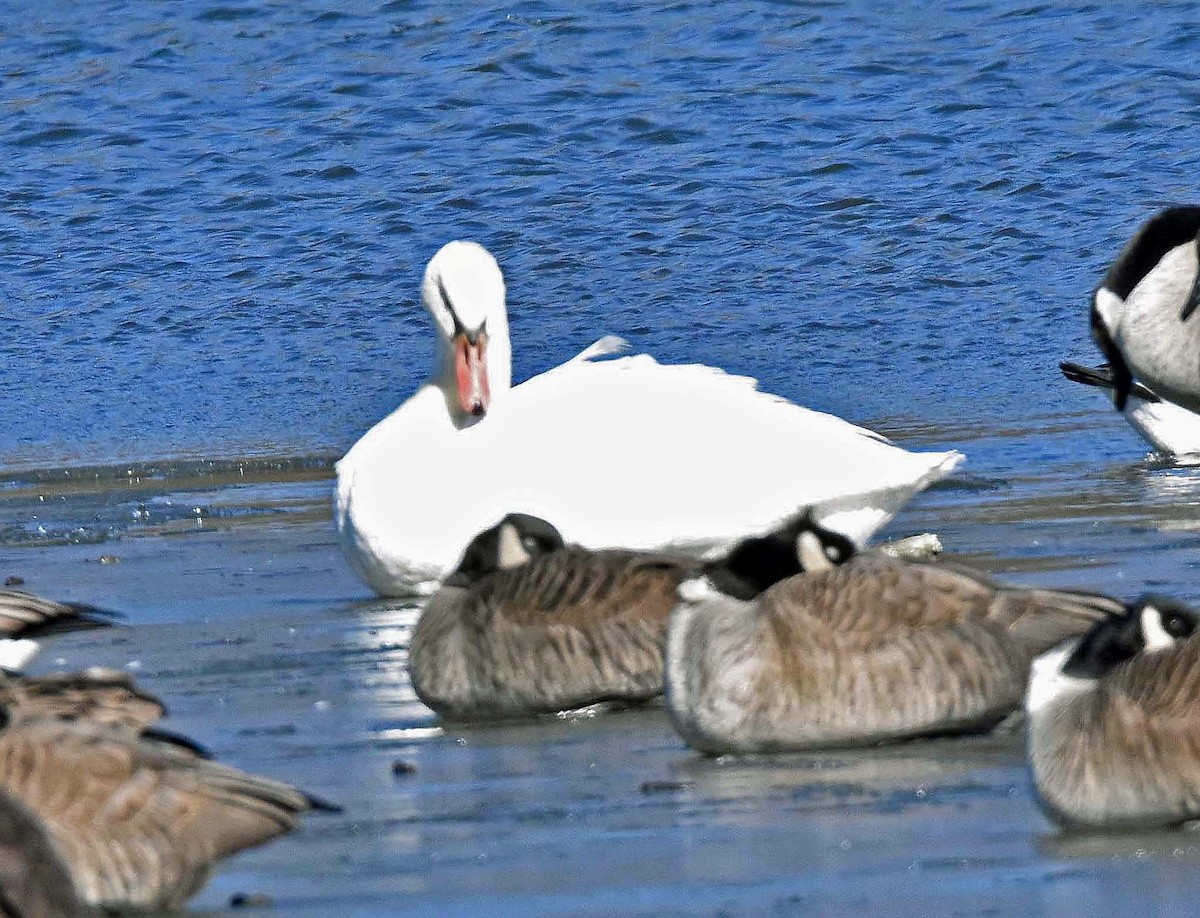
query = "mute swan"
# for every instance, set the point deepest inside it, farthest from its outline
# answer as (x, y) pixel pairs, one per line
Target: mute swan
(855, 649)
(1141, 314)
(620, 452)
(1114, 721)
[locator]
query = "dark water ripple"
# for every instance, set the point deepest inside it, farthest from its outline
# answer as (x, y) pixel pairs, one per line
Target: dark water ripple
(213, 218)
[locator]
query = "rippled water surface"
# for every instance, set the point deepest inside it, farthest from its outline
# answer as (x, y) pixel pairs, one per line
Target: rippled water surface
(213, 219)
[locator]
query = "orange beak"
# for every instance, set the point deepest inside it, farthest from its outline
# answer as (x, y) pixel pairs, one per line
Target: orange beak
(470, 369)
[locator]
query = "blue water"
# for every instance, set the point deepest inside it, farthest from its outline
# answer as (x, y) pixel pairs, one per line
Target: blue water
(213, 217)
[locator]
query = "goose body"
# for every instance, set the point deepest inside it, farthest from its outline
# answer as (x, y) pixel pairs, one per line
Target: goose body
(1142, 314)
(864, 651)
(137, 824)
(1114, 722)
(1171, 429)
(618, 452)
(34, 880)
(543, 629)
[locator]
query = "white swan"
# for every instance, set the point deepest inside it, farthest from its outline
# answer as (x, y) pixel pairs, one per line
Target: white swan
(620, 452)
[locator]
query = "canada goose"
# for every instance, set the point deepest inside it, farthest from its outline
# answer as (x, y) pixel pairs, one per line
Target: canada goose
(616, 451)
(856, 649)
(527, 624)
(34, 881)
(1171, 429)
(24, 618)
(1141, 313)
(1114, 721)
(138, 824)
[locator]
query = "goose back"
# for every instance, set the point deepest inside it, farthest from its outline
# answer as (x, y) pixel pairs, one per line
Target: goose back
(566, 629)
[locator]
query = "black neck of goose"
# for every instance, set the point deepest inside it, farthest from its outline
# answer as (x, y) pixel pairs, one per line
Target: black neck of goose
(753, 566)
(1110, 643)
(479, 560)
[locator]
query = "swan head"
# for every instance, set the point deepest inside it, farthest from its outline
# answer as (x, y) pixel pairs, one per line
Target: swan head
(514, 541)
(463, 290)
(799, 546)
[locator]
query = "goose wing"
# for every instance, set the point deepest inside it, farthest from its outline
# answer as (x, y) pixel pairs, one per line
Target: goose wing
(872, 597)
(579, 588)
(139, 824)
(24, 615)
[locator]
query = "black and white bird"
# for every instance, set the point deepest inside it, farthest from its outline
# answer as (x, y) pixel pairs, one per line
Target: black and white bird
(1171, 429)
(1114, 721)
(1142, 312)
(26, 618)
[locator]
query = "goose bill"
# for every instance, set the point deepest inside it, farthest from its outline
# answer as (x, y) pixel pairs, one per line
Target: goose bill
(470, 365)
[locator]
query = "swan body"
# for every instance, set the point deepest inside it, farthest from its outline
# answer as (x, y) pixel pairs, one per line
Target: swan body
(1171, 429)
(1114, 721)
(857, 649)
(622, 451)
(1142, 312)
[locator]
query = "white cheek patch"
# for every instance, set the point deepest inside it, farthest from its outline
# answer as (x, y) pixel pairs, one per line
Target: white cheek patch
(812, 553)
(698, 589)
(1048, 684)
(512, 553)
(1153, 632)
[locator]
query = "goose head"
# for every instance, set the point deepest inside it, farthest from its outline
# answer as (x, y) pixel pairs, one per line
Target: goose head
(1150, 624)
(1147, 271)
(799, 546)
(463, 290)
(514, 541)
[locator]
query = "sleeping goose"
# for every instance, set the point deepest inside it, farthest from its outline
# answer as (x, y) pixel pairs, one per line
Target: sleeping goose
(1141, 314)
(855, 649)
(1114, 721)
(1169, 428)
(24, 618)
(527, 624)
(615, 451)
(137, 824)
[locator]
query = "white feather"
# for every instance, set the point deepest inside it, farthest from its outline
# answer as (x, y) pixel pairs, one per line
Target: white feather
(17, 653)
(1048, 686)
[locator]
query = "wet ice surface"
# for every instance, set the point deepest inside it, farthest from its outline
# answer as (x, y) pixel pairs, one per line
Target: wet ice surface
(246, 619)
